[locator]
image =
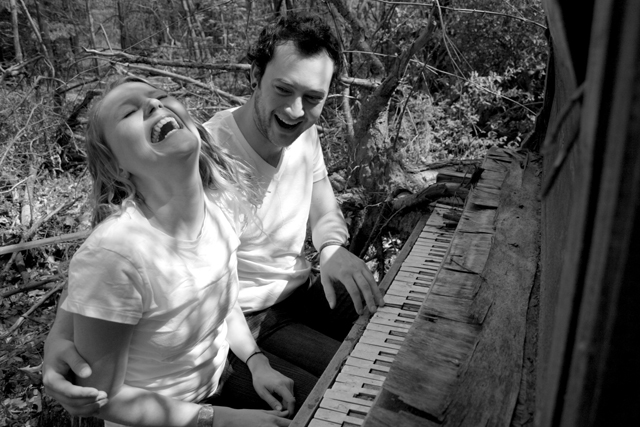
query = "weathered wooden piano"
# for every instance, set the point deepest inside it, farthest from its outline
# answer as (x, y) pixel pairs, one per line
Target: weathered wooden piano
(419, 359)
(454, 346)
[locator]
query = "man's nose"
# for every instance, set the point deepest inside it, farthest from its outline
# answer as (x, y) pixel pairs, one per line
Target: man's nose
(296, 108)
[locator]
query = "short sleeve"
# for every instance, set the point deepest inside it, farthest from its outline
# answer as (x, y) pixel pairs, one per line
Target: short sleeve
(319, 168)
(104, 285)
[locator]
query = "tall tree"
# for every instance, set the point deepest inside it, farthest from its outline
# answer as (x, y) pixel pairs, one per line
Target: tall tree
(92, 34)
(16, 32)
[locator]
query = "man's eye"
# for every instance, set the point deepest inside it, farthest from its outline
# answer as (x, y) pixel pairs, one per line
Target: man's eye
(128, 113)
(283, 90)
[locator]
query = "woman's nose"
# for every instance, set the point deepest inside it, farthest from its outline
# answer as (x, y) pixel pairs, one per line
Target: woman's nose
(152, 105)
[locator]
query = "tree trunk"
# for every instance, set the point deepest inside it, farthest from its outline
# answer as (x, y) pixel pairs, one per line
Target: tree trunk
(124, 36)
(36, 32)
(202, 45)
(192, 32)
(92, 35)
(16, 34)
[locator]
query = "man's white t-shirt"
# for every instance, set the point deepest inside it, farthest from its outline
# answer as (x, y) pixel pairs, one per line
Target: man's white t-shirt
(174, 291)
(271, 263)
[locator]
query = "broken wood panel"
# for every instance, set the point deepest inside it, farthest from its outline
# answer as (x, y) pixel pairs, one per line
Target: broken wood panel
(427, 361)
(476, 220)
(456, 284)
(460, 258)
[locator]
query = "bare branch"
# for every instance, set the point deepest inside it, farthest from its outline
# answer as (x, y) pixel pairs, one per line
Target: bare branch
(33, 285)
(126, 57)
(358, 32)
(46, 296)
(461, 10)
(150, 70)
(42, 242)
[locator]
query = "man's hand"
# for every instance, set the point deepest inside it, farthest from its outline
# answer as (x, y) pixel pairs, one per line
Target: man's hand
(339, 265)
(61, 361)
(268, 382)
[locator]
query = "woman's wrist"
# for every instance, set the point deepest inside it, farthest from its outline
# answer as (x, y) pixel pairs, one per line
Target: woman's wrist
(205, 416)
(255, 359)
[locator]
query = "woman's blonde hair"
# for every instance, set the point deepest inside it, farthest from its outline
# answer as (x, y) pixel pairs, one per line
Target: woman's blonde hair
(111, 188)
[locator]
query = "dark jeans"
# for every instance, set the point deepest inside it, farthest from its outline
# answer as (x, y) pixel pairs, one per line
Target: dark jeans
(299, 335)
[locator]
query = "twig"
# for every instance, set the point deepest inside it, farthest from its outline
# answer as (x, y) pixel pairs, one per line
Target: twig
(34, 228)
(456, 9)
(43, 242)
(128, 58)
(18, 135)
(30, 286)
(31, 310)
(156, 71)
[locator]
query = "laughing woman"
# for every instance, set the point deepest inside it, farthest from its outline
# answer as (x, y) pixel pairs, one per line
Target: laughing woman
(153, 289)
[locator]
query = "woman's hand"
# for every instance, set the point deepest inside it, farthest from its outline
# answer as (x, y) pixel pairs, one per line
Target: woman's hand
(268, 383)
(249, 418)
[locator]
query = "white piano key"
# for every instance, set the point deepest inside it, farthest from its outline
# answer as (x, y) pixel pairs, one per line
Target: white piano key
(382, 352)
(354, 397)
(388, 329)
(382, 341)
(365, 373)
(322, 423)
(365, 364)
(359, 381)
(395, 321)
(399, 313)
(371, 356)
(337, 417)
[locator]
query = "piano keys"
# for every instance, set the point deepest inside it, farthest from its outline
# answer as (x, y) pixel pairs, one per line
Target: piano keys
(426, 358)
(350, 396)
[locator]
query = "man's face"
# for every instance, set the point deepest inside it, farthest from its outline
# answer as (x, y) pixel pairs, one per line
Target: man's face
(291, 94)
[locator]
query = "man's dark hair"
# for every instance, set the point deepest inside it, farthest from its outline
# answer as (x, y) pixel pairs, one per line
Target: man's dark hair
(310, 34)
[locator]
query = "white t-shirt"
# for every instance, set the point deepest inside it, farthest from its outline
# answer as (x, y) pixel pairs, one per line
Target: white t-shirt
(174, 291)
(270, 261)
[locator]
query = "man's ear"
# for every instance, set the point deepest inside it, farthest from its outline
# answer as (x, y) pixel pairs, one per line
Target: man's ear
(256, 76)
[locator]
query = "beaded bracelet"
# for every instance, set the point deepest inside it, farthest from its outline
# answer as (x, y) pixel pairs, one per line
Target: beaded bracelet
(246, 362)
(205, 416)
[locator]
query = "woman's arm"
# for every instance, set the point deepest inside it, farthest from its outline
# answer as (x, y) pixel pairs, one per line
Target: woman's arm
(266, 380)
(104, 345)
(61, 361)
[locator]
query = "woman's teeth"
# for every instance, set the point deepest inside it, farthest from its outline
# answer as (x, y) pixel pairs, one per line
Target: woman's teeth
(163, 129)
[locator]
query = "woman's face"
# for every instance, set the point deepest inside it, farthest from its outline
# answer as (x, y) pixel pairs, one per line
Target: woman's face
(147, 130)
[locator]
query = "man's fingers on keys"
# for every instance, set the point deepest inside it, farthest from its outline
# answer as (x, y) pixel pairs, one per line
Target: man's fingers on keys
(354, 292)
(373, 285)
(329, 292)
(367, 293)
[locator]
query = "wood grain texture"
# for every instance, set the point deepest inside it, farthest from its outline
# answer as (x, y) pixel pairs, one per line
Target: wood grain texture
(461, 360)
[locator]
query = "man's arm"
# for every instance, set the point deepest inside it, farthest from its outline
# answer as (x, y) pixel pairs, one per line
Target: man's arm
(62, 361)
(337, 264)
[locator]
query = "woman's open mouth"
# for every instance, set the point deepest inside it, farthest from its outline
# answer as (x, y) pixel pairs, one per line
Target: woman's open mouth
(163, 129)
